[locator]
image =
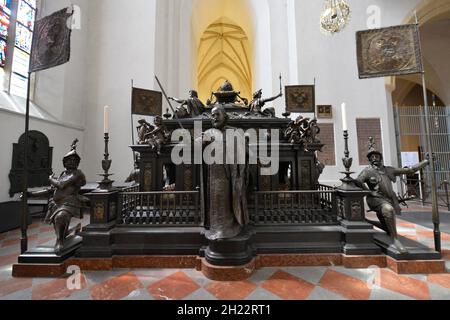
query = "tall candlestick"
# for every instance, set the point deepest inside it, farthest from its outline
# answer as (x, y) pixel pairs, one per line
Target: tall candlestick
(344, 117)
(106, 119)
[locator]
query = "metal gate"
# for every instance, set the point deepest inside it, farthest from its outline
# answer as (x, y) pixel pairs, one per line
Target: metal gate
(410, 129)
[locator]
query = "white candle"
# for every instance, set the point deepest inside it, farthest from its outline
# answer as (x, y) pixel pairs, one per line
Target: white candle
(344, 117)
(106, 119)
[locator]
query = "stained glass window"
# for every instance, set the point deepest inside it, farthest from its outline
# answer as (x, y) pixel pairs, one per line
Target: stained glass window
(2, 52)
(23, 38)
(26, 15)
(5, 13)
(5, 6)
(4, 25)
(16, 45)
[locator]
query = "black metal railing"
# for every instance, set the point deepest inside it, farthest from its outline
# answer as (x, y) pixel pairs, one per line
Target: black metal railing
(166, 209)
(418, 190)
(295, 207)
(133, 188)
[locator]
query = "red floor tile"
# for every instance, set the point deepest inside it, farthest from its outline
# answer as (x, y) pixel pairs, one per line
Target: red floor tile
(446, 254)
(232, 290)
(14, 284)
(9, 259)
(13, 233)
(430, 234)
(2, 236)
(288, 287)
(441, 279)
(55, 289)
(175, 287)
(405, 224)
(405, 285)
(34, 226)
(46, 229)
(11, 242)
(344, 285)
(16, 242)
(116, 288)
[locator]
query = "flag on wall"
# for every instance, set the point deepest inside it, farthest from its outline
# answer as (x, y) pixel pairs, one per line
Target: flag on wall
(146, 102)
(389, 51)
(51, 41)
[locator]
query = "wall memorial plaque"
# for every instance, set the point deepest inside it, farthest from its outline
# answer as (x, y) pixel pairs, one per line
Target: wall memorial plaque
(39, 162)
(325, 112)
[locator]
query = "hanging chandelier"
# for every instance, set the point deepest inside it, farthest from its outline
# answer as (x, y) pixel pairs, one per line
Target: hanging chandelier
(335, 16)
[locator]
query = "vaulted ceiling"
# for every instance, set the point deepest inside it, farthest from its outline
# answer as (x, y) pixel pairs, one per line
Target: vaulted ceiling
(224, 54)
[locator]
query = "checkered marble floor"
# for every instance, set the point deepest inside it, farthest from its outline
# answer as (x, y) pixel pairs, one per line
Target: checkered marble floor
(296, 283)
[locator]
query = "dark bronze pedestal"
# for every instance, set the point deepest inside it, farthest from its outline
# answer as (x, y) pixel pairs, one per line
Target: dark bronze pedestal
(96, 236)
(358, 234)
(237, 251)
(47, 254)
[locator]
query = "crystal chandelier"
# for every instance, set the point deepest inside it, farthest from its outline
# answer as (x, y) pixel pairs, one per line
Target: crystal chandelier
(335, 16)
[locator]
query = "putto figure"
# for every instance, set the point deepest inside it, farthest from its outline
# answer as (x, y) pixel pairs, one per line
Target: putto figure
(66, 201)
(258, 103)
(378, 179)
(190, 108)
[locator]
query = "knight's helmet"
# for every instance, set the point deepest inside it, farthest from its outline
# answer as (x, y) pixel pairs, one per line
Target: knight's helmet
(72, 154)
(372, 146)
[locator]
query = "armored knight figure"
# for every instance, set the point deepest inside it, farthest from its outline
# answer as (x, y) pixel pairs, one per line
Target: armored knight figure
(159, 136)
(378, 179)
(66, 201)
(143, 129)
(190, 108)
(227, 188)
(257, 104)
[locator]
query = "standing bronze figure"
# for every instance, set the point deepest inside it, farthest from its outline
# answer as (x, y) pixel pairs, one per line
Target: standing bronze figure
(142, 130)
(227, 189)
(191, 107)
(66, 201)
(378, 179)
(258, 103)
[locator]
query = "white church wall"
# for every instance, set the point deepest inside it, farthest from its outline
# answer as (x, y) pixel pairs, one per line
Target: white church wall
(61, 91)
(121, 47)
(60, 137)
(332, 61)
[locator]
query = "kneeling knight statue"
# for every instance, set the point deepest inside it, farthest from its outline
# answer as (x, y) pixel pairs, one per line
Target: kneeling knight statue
(66, 201)
(382, 200)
